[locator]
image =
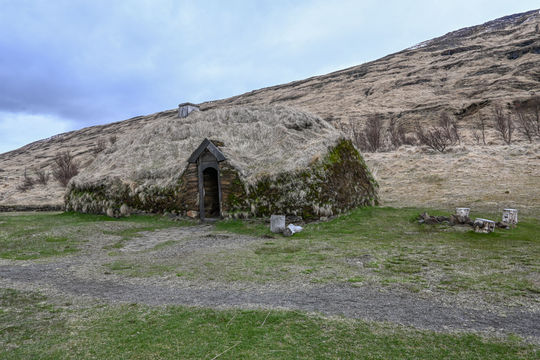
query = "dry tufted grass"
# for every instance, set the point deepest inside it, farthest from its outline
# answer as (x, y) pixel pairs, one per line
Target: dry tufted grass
(257, 141)
(487, 178)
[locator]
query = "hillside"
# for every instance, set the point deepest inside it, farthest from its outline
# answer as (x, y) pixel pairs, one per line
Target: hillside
(40, 155)
(462, 73)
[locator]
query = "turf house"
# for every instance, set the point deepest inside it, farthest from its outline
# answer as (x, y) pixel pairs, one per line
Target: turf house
(227, 162)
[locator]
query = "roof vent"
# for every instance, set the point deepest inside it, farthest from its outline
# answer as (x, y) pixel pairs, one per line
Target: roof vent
(186, 108)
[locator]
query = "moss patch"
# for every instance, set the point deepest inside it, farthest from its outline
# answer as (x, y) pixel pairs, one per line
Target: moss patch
(338, 182)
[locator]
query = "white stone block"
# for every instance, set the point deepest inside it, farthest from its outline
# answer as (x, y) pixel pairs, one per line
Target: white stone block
(463, 212)
(510, 216)
(483, 225)
(277, 223)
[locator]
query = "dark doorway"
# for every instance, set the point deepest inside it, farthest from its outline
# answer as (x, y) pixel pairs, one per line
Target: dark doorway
(207, 157)
(211, 193)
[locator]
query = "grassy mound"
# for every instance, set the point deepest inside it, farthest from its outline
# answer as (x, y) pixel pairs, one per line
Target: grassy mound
(278, 160)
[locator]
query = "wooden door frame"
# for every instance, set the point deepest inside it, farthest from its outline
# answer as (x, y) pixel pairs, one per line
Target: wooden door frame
(201, 167)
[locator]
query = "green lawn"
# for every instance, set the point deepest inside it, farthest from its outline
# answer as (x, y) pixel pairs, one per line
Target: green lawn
(368, 246)
(33, 327)
(37, 235)
(385, 246)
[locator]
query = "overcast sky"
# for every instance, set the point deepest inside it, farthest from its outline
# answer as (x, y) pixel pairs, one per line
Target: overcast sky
(67, 64)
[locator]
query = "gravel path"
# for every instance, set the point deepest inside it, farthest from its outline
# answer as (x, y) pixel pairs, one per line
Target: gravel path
(350, 301)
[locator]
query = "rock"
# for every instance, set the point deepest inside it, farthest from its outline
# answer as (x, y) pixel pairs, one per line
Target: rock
(483, 225)
(425, 218)
(461, 216)
(124, 210)
(277, 223)
(441, 219)
(463, 212)
(294, 228)
(110, 212)
(287, 232)
(192, 214)
(459, 219)
(510, 216)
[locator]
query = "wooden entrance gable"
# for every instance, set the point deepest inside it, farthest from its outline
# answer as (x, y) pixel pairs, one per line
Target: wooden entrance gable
(207, 158)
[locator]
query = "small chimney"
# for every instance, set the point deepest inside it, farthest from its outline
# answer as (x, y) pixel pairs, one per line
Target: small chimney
(186, 108)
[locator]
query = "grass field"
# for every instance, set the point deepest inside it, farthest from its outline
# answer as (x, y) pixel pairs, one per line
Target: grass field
(370, 246)
(37, 235)
(32, 327)
(377, 247)
(385, 246)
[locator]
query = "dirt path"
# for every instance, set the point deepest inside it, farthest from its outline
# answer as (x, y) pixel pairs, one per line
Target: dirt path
(349, 301)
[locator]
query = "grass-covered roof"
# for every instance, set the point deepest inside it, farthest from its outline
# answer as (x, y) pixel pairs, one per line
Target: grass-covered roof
(257, 141)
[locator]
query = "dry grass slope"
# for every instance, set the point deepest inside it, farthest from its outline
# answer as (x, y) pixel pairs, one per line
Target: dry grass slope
(463, 73)
(484, 178)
